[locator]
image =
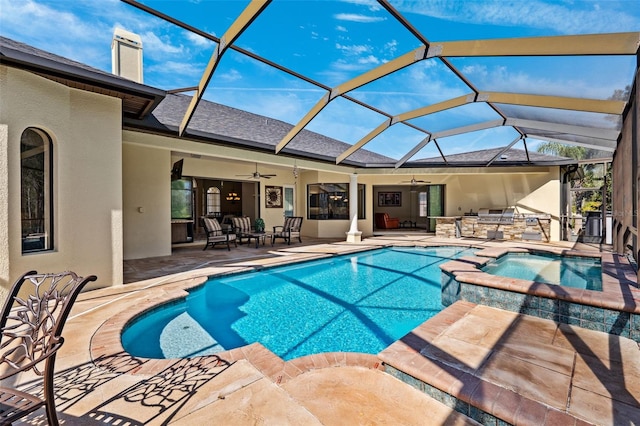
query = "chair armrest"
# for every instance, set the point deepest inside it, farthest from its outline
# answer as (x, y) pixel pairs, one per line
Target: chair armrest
(393, 221)
(277, 226)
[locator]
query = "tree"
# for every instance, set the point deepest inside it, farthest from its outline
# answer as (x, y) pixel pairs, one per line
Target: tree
(590, 199)
(560, 150)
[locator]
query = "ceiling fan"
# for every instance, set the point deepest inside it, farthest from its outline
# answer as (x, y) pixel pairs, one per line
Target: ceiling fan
(413, 181)
(257, 175)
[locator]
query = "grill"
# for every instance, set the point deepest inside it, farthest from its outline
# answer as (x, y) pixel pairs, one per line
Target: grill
(496, 216)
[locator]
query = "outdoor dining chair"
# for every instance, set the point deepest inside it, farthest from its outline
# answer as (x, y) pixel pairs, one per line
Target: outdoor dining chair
(31, 334)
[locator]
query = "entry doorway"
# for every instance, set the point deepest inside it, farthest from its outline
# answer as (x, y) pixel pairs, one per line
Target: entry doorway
(224, 199)
(415, 206)
(289, 201)
(431, 205)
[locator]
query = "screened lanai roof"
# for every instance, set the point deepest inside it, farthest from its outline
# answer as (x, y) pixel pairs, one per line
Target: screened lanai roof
(412, 86)
(394, 82)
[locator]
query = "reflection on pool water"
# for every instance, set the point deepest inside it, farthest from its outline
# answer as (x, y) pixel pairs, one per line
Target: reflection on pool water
(351, 303)
(577, 272)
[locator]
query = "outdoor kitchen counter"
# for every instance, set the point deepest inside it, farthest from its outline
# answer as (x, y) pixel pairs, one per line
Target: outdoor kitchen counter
(521, 227)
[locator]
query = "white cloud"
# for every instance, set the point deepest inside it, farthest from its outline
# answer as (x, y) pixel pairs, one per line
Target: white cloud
(198, 40)
(229, 75)
(341, 29)
(336, 75)
(369, 60)
(341, 65)
(177, 68)
(563, 18)
(285, 104)
(370, 4)
(354, 49)
(501, 78)
(353, 17)
(33, 23)
(157, 46)
(391, 47)
(475, 70)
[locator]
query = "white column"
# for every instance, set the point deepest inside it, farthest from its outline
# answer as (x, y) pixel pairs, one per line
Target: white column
(353, 236)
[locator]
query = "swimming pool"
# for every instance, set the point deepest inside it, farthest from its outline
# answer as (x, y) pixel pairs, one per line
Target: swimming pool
(351, 303)
(569, 271)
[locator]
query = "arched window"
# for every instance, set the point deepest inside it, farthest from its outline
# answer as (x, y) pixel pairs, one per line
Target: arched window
(213, 201)
(36, 182)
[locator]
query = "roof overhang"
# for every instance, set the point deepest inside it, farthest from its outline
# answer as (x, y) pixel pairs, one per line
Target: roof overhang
(138, 100)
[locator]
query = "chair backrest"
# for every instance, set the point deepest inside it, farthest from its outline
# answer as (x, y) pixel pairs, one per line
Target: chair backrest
(33, 317)
(242, 224)
(211, 224)
(381, 219)
(293, 223)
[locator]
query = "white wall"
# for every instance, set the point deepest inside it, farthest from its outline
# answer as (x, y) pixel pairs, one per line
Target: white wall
(87, 140)
(146, 201)
(537, 192)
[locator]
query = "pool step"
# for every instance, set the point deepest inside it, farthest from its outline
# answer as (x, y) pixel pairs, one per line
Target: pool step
(499, 366)
(345, 388)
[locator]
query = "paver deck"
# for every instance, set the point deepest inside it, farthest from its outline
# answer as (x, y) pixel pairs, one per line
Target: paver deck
(521, 369)
(98, 383)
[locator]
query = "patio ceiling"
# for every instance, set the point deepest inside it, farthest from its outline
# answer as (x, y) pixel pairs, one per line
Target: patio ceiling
(558, 111)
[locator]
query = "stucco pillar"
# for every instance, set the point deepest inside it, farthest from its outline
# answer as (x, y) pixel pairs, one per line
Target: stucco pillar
(4, 212)
(353, 236)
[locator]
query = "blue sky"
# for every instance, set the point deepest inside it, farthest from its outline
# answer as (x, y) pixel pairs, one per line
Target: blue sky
(334, 41)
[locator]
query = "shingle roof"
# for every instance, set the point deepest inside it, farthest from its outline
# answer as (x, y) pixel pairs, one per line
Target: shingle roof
(510, 157)
(214, 122)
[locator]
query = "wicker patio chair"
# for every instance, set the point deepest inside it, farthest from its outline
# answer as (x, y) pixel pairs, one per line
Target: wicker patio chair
(31, 334)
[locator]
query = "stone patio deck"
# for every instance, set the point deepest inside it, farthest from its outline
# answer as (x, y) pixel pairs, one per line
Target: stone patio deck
(484, 362)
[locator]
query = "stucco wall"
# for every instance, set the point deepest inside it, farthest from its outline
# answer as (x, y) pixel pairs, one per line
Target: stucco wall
(537, 192)
(146, 201)
(87, 195)
(531, 189)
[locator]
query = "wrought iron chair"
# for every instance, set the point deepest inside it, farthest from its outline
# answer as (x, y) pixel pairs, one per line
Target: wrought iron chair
(30, 334)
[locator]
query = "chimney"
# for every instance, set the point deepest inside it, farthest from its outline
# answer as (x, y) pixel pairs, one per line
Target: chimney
(126, 55)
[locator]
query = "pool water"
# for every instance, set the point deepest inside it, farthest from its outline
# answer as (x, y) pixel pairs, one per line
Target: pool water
(351, 303)
(577, 272)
